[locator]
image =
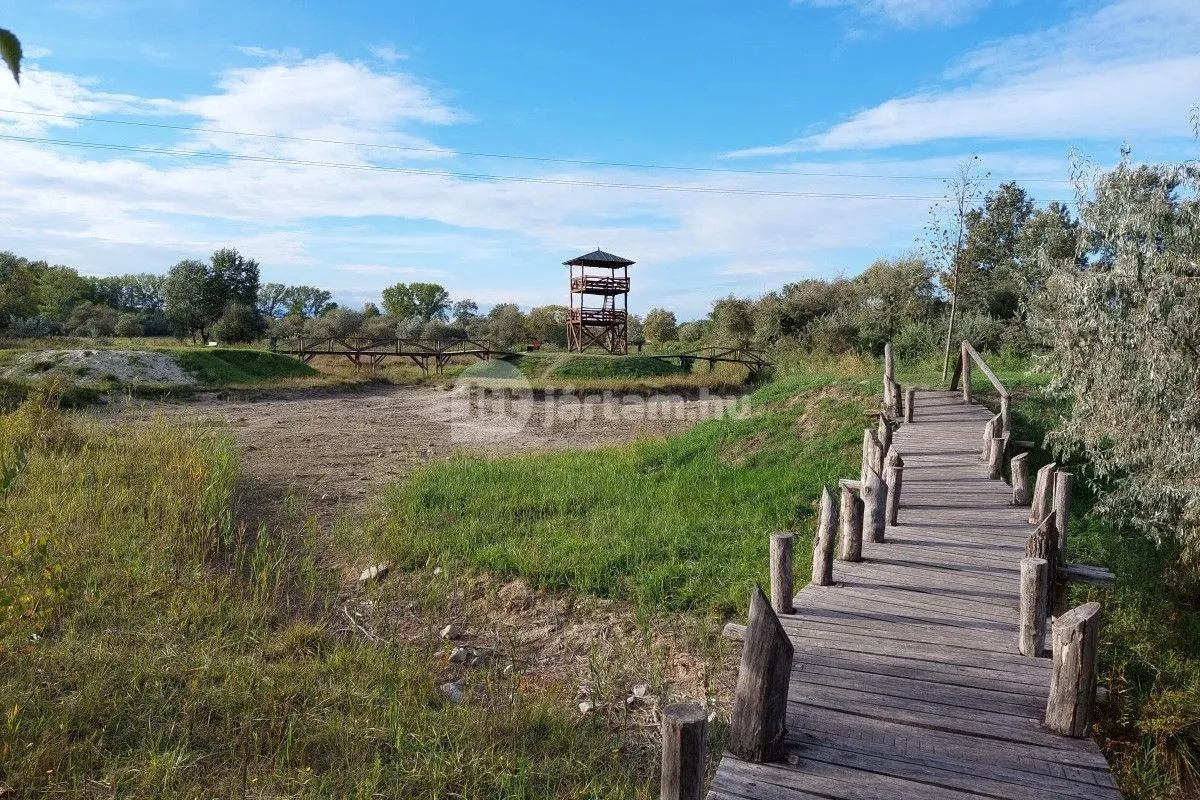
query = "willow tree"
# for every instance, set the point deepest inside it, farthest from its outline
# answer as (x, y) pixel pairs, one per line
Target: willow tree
(1123, 322)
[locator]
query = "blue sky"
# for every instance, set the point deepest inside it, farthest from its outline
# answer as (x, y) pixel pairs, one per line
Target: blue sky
(819, 132)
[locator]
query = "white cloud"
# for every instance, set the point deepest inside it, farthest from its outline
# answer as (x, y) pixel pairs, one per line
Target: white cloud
(909, 13)
(1054, 85)
(33, 51)
(55, 93)
(270, 54)
(386, 53)
(321, 98)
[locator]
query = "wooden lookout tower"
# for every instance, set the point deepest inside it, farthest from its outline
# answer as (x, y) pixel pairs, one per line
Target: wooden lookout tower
(600, 282)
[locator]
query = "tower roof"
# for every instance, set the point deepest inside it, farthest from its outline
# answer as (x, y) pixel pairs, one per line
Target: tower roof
(598, 258)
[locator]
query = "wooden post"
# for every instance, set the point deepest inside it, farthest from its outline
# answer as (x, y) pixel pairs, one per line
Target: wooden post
(989, 433)
(1035, 584)
(909, 397)
(684, 751)
(1043, 544)
(822, 568)
(1062, 510)
(1019, 467)
(893, 475)
(897, 408)
(1043, 494)
(885, 438)
(889, 362)
(867, 457)
(996, 458)
(760, 700)
(966, 374)
(874, 495)
(1005, 413)
(781, 572)
(1073, 674)
(852, 525)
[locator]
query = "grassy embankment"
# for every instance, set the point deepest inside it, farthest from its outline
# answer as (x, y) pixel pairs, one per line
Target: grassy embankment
(148, 647)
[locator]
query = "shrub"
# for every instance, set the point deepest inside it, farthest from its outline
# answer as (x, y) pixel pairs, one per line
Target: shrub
(30, 327)
(128, 326)
(239, 323)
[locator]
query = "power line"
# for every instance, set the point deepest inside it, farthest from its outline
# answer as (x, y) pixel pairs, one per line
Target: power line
(540, 159)
(464, 175)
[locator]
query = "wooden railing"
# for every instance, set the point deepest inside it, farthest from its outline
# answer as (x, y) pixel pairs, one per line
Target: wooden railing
(968, 355)
(591, 284)
(597, 316)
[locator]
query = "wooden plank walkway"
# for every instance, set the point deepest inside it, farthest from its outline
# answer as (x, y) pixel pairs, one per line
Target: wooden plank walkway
(906, 681)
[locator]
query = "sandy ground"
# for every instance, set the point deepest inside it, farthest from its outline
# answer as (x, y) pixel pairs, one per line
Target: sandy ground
(87, 367)
(333, 447)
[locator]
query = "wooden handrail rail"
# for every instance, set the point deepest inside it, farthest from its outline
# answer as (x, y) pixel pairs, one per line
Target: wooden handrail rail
(984, 368)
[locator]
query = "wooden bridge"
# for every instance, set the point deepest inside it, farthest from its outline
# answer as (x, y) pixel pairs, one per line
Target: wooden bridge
(752, 360)
(437, 353)
(901, 675)
(372, 352)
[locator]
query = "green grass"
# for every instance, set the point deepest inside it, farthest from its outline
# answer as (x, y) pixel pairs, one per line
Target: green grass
(679, 524)
(151, 648)
(218, 366)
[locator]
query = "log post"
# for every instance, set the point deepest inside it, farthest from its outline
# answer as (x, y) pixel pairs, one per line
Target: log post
(909, 397)
(684, 751)
(885, 439)
(893, 476)
(781, 572)
(1005, 413)
(1043, 494)
(889, 362)
(996, 458)
(966, 374)
(1019, 467)
(1043, 544)
(760, 700)
(867, 457)
(851, 515)
(1073, 673)
(989, 433)
(1035, 584)
(1062, 510)
(874, 495)
(897, 400)
(822, 569)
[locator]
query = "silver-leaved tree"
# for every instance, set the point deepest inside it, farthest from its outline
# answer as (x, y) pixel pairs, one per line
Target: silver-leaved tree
(1123, 325)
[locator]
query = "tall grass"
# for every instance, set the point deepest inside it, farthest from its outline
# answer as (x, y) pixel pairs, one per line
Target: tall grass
(151, 647)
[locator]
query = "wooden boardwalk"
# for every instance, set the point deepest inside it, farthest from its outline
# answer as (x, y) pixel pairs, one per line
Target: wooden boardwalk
(906, 681)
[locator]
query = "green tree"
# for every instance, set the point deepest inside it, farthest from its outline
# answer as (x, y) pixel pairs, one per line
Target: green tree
(128, 326)
(398, 301)
(238, 323)
(1120, 318)
(235, 278)
(733, 321)
(60, 289)
(464, 311)
(889, 296)
(506, 324)
(19, 280)
(193, 299)
(309, 301)
(420, 302)
(548, 324)
(274, 300)
(10, 51)
(91, 319)
(660, 325)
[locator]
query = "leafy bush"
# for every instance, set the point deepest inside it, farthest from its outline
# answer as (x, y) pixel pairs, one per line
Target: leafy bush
(239, 323)
(128, 326)
(29, 327)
